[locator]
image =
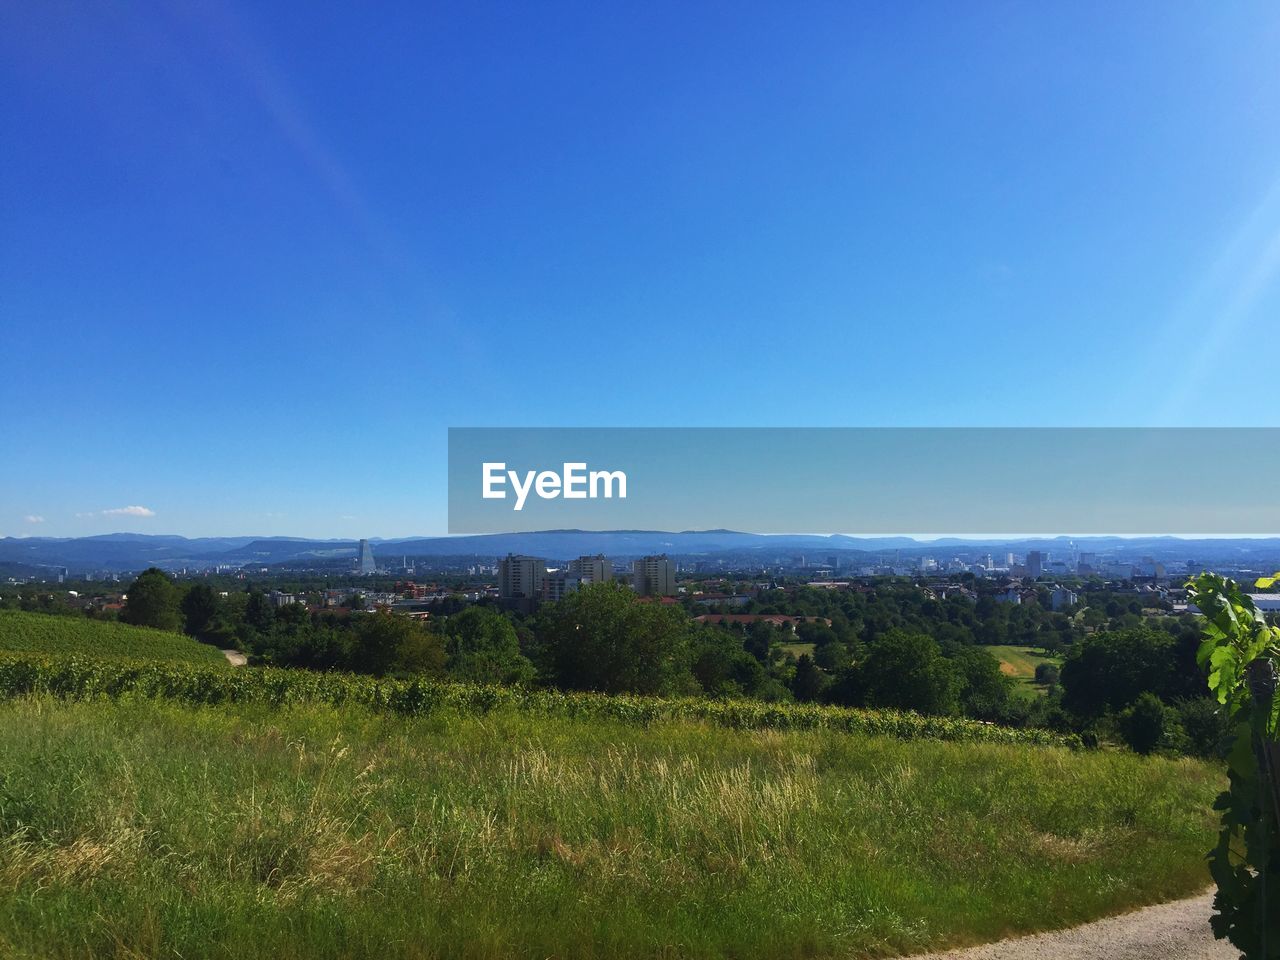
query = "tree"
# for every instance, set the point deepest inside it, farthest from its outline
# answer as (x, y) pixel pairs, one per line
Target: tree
(258, 615)
(1143, 724)
(1111, 669)
(602, 637)
(831, 656)
(199, 607)
(152, 601)
(482, 647)
(907, 671)
(808, 683)
(421, 652)
(985, 691)
(385, 641)
(760, 640)
(723, 668)
(1051, 642)
(1093, 617)
(1206, 725)
(1046, 674)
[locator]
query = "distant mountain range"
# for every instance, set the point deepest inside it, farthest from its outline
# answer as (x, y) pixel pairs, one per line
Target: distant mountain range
(131, 551)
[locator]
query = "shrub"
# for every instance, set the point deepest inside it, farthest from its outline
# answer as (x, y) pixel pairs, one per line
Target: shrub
(1207, 728)
(1143, 725)
(1046, 674)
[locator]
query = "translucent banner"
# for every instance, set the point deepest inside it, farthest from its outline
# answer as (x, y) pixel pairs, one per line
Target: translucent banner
(931, 481)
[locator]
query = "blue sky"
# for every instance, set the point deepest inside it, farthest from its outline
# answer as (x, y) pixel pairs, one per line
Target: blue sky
(256, 258)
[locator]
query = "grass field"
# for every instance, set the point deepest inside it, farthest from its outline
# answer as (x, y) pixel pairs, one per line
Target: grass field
(1020, 663)
(22, 632)
(799, 650)
(144, 828)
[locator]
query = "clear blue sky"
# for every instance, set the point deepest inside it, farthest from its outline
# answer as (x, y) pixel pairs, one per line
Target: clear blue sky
(256, 258)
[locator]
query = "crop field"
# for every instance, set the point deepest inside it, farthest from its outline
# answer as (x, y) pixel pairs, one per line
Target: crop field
(38, 633)
(144, 827)
(1020, 663)
(91, 678)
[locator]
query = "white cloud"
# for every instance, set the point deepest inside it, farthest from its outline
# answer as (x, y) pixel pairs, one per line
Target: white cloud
(33, 518)
(129, 512)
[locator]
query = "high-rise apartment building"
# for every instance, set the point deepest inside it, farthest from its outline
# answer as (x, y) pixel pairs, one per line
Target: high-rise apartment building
(654, 576)
(520, 578)
(595, 569)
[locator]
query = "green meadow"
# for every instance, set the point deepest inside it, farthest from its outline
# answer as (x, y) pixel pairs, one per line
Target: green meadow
(1020, 662)
(140, 827)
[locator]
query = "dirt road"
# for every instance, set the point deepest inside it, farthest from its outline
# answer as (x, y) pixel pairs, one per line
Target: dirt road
(1169, 931)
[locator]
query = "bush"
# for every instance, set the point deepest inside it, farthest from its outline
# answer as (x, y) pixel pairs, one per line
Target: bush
(1046, 674)
(1143, 725)
(1204, 721)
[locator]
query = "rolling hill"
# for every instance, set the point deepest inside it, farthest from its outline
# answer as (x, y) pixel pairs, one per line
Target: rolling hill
(38, 633)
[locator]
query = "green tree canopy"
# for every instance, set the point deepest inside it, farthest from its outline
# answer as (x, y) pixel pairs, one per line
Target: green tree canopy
(199, 608)
(907, 671)
(808, 683)
(152, 601)
(1143, 724)
(482, 647)
(985, 691)
(1111, 669)
(603, 637)
(386, 642)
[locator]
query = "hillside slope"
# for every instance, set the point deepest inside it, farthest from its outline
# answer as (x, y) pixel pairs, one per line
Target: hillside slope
(22, 632)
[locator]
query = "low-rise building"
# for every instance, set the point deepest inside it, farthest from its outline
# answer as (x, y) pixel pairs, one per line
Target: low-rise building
(1061, 598)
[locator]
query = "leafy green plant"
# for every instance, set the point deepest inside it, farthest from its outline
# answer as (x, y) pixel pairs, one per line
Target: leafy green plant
(1241, 654)
(80, 678)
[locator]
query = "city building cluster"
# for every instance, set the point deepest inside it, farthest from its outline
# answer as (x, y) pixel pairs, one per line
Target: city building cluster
(526, 580)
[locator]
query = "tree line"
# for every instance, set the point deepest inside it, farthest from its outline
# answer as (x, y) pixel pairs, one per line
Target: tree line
(1125, 676)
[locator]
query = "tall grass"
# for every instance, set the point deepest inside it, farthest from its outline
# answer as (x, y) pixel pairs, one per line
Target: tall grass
(141, 828)
(42, 634)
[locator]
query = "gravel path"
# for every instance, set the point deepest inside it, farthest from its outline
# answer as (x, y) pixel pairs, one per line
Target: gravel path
(235, 658)
(1169, 931)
